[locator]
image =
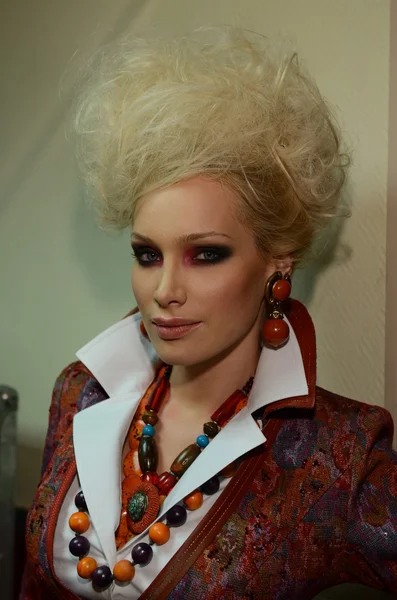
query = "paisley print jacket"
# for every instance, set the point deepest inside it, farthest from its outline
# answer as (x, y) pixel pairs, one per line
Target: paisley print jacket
(314, 507)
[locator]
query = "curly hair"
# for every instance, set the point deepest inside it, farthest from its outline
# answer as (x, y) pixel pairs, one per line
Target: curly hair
(154, 112)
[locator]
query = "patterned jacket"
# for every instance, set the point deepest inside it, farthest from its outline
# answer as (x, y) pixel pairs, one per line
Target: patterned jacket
(314, 507)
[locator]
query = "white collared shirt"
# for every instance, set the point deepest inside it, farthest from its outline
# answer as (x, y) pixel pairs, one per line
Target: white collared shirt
(124, 363)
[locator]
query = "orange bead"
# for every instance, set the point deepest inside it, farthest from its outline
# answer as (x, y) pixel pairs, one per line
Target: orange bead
(86, 566)
(194, 500)
(79, 522)
(159, 533)
(124, 571)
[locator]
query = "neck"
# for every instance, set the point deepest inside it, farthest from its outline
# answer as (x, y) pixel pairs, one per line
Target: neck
(201, 389)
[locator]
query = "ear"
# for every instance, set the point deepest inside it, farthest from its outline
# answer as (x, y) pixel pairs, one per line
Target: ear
(283, 264)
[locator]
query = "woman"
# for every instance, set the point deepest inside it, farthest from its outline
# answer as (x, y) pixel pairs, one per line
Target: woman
(189, 452)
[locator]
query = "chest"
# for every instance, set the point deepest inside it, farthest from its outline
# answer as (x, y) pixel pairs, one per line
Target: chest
(172, 438)
(286, 507)
(177, 428)
(283, 541)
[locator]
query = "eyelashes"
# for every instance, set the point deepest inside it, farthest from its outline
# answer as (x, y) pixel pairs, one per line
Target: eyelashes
(204, 255)
(145, 256)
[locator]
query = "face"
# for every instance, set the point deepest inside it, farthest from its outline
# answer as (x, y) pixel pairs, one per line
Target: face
(197, 276)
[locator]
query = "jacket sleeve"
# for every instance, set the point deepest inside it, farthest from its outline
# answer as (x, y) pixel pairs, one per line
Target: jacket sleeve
(33, 586)
(67, 388)
(372, 515)
(64, 404)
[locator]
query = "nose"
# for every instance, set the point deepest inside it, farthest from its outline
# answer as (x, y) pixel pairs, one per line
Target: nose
(170, 288)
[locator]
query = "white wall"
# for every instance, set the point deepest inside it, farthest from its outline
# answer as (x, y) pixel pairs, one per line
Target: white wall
(63, 281)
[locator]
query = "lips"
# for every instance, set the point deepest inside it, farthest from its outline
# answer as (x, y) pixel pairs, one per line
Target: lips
(173, 329)
(176, 322)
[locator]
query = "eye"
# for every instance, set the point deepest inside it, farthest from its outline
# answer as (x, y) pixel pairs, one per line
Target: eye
(145, 255)
(212, 255)
(208, 255)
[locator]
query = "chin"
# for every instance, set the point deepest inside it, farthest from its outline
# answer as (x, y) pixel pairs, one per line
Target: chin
(177, 359)
(176, 354)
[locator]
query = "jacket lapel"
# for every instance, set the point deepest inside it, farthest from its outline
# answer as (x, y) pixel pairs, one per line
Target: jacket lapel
(97, 451)
(124, 364)
(212, 523)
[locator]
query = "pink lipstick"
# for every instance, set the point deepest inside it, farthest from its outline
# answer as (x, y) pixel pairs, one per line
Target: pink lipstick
(173, 329)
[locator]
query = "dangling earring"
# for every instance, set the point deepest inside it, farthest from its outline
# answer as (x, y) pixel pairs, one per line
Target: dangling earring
(143, 330)
(275, 331)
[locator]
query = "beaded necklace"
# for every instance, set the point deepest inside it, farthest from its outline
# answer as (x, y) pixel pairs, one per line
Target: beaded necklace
(143, 495)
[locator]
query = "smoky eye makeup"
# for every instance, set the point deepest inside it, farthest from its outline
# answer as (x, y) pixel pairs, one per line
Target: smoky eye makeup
(145, 255)
(199, 255)
(210, 254)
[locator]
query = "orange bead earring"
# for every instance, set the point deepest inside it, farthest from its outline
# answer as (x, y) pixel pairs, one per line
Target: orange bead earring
(275, 331)
(143, 330)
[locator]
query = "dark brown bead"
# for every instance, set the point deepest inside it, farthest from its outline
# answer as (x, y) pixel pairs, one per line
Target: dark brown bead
(150, 418)
(185, 459)
(147, 453)
(210, 429)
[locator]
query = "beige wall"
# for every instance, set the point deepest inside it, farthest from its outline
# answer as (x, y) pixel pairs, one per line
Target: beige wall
(62, 281)
(391, 253)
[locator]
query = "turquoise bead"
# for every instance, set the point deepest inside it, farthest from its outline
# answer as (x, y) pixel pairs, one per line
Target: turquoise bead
(148, 430)
(202, 441)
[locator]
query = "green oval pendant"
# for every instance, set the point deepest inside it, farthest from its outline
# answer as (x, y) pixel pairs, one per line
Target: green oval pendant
(137, 506)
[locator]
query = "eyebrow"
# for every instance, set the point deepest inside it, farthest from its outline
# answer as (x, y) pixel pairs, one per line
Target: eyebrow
(184, 239)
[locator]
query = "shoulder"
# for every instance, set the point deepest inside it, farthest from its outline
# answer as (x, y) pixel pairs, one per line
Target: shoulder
(339, 408)
(367, 424)
(71, 379)
(337, 436)
(74, 382)
(67, 389)
(75, 389)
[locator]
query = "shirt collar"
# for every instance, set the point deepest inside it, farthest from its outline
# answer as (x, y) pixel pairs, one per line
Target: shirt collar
(123, 361)
(124, 364)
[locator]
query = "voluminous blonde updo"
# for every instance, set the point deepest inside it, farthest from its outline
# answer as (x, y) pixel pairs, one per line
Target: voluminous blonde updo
(154, 112)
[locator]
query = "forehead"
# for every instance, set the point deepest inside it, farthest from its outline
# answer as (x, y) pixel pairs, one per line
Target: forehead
(196, 204)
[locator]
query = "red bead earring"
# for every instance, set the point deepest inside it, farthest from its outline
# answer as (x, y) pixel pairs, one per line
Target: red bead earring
(143, 330)
(275, 331)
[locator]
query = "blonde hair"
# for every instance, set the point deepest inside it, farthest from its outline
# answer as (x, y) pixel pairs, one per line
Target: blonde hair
(154, 112)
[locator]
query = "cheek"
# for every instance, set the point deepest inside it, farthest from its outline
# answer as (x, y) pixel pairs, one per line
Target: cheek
(239, 308)
(236, 291)
(140, 285)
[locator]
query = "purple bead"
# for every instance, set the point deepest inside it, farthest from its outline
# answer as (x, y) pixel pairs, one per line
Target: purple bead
(176, 516)
(79, 501)
(142, 554)
(102, 577)
(211, 486)
(79, 546)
